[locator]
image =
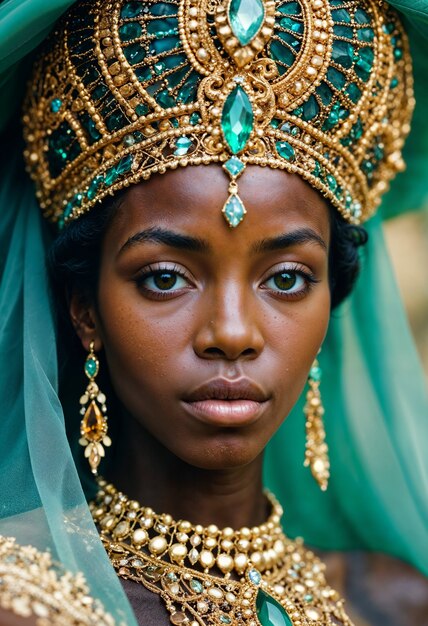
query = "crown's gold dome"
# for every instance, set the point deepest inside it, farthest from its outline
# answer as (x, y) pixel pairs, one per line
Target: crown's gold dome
(126, 89)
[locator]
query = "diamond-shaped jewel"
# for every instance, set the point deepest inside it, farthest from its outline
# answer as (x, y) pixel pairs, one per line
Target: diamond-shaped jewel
(193, 556)
(234, 166)
(237, 119)
(255, 576)
(246, 18)
(234, 210)
(182, 146)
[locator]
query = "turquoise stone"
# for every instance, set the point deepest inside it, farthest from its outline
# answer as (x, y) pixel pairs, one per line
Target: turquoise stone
(366, 35)
(234, 211)
(129, 31)
(141, 109)
(286, 151)
(282, 54)
(131, 9)
(124, 164)
(310, 109)
(110, 176)
(237, 119)
(182, 146)
(134, 53)
(225, 619)
(56, 105)
(291, 8)
(315, 373)
(364, 63)
(343, 31)
(332, 182)
(325, 93)
(91, 367)
(255, 576)
(234, 166)
(293, 25)
(361, 17)
(341, 15)
(195, 118)
(336, 78)
(165, 99)
(270, 612)
(94, 186)
(343, 53)
(246, 18)
(353, 92)
(163, 8)
(196, 586)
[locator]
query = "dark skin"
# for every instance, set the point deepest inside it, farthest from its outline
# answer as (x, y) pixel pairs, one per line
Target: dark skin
(247, 303)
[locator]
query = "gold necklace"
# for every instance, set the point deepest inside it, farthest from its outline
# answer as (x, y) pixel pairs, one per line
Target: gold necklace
(222, 584)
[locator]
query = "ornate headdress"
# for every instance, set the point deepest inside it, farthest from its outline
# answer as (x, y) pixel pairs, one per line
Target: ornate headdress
(322, 88)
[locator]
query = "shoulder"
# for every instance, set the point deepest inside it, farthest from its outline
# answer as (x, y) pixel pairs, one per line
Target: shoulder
(35, 589)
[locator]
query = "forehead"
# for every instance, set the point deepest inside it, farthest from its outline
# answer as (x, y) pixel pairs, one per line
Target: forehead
(190, 200)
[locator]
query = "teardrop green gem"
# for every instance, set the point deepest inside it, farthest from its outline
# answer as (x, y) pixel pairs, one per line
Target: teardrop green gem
(270, 612)
(246, 18)
(237, 120)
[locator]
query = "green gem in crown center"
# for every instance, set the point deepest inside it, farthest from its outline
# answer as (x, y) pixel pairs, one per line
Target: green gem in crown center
(237, 120)
(246, 18)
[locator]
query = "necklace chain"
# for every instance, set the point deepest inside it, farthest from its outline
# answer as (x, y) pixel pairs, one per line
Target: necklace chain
(239, 577)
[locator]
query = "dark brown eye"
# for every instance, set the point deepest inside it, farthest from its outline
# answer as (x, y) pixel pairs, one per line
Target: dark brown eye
(164, 280)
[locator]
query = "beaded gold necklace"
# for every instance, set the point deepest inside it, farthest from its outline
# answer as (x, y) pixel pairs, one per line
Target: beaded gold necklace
(211, 576)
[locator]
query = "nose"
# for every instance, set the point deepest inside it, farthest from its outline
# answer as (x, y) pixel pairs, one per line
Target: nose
(231, 326)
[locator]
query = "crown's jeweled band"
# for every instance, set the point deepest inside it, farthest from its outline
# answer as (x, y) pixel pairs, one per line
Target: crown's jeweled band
(322, 88)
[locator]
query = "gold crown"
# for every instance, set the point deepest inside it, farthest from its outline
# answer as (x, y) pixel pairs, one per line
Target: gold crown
(322, 88)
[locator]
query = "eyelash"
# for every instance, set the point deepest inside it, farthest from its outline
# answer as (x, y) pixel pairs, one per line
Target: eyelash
(151, 270)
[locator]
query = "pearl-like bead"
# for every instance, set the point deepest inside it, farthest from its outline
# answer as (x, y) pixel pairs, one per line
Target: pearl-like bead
(158, 545)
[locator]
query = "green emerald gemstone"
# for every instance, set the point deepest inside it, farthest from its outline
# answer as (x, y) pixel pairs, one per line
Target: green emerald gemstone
(315, 373)
(131, 9)
(353, 92)
(91, 367)
(341, 15)
(182, 146)
(343, 53)
(56, 105)
(366, 34)
(225, 619)
(237, 119)
(110, 176)
(361, 17)
(234, 211)
(134, 53)
(286, 151)
(94, 186)
(129, 31)
(196, 585)
(291, 24)
(270, 612)
(124, 164)
(291, 8)
(332, 182)
(246, 18)
(336, 78)
(234, 166)
(195, 118)
(141, 109)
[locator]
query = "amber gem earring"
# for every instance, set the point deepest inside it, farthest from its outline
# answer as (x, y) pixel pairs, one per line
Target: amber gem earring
(93, 428)
(316, 453)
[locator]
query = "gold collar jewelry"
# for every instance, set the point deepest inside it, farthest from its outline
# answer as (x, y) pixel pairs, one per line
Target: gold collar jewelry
(211, 576)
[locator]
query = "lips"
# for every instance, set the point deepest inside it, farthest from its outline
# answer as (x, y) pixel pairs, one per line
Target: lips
(227, 403)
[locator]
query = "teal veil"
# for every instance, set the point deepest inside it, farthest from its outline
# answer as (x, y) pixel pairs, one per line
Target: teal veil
(373, 388)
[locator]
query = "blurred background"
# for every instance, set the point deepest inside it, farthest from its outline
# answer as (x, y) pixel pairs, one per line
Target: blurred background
(407, 238)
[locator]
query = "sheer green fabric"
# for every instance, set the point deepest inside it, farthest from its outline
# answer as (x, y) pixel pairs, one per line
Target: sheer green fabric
(372, 387)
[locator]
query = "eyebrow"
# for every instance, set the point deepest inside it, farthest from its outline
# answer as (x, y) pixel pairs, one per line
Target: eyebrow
(168, 238)
(195, 244)
(286, 240)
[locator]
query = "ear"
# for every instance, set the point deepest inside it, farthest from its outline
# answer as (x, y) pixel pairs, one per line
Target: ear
(85, 321)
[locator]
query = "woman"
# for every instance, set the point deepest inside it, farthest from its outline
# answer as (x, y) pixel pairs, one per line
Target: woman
(208, 324)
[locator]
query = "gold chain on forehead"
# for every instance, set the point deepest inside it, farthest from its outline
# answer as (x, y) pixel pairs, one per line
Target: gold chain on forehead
(321, 88)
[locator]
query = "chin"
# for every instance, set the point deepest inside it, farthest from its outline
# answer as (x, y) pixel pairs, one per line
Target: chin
(225, 453)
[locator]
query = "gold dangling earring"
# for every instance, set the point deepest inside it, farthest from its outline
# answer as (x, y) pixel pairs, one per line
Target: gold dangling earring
(93, 428)
(316, 453)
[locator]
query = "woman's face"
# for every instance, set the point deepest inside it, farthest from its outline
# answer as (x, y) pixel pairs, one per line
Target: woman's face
(209, 332)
